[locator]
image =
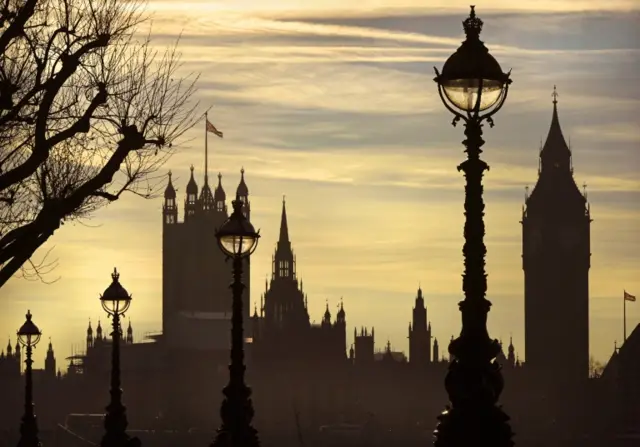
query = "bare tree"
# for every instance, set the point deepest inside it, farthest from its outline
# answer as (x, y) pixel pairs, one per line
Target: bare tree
(595, 368)
(87, 111)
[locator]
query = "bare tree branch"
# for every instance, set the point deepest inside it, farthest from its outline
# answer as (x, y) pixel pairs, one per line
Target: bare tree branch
(88, 111)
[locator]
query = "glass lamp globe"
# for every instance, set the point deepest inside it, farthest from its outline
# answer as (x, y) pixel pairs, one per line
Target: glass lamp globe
(115, 299)
(29, 334)
(237, 237)
(472, 79)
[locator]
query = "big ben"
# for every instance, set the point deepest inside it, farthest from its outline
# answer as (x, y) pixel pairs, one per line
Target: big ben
(556, 260)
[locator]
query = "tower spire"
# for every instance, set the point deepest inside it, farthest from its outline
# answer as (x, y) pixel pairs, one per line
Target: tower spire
(555, 155)
(284, 227)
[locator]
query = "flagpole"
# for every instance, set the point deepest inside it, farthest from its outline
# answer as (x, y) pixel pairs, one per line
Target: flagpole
(206, 149)
(624, 316)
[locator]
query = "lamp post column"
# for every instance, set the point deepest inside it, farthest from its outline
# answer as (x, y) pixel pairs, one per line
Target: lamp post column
(115, 421)
(28, 426)
(236, 411)
(474, 381)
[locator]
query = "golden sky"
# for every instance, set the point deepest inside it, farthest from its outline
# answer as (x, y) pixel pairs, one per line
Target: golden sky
(336, 108)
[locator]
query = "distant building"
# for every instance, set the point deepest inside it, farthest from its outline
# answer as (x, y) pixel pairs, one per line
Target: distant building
(196, 305)
(283, 330)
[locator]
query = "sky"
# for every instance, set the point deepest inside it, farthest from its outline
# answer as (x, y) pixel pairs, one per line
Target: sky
(336, 108)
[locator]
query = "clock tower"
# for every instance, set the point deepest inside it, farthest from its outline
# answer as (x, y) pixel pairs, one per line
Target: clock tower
(556, 259)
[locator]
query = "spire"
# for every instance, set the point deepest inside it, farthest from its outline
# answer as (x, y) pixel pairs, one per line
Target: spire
(341, 313)
(284, 227)
(219, 196)
(327, 315)
(192, 186)
(242, 190)
(419, 299)
(169, 192)
(555, 154)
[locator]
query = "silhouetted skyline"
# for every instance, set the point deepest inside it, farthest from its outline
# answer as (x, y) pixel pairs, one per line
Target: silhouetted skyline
(349, 128)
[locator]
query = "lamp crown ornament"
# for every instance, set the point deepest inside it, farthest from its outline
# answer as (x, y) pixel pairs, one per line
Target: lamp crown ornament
(115, 275)
(473, 24)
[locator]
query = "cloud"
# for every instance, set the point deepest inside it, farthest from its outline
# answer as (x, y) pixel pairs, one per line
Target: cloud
(337, 109)
(616, 132)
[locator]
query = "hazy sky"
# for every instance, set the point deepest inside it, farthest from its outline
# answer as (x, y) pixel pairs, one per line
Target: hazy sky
(336, 108)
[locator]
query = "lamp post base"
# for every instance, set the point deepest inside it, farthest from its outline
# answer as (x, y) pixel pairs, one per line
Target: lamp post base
(29, 433)
(474, 417)
(236, 412)
(248, 437)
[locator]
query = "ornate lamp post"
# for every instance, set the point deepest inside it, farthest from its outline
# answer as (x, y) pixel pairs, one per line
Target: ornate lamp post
(473, 87)
(238, 240)
(116, 301)
(29, 336)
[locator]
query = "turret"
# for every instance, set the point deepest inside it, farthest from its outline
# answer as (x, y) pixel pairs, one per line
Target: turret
(170, 207)
(220, 197)
(243, 194)
(9, 349)
(511, 357)
(341, 317)
(191, 201)
(436, 351)
(89, 336)
(99, 332)
(326, 319)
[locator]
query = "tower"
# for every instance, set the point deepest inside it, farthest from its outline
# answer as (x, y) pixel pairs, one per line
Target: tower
(556, 260)
(419, 333)
(196, 300)
(129, 338)
(50, 362)
(284, 301)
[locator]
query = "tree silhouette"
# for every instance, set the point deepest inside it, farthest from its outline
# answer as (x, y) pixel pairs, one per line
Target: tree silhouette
(88, 110)
(595, 368)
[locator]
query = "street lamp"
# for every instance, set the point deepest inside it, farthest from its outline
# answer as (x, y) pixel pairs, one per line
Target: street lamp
(116, 301)
(473, 87)
(29, 336)
(238, 240)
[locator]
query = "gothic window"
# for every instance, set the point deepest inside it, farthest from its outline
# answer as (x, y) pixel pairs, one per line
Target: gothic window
(191, 198)
(170, 203)
(220, 205)
(171, 219)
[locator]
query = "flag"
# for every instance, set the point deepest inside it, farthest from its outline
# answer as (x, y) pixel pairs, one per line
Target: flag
(211, 128)
(629, 297)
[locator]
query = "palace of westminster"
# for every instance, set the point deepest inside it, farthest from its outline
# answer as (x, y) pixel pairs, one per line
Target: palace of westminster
(304, 375)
